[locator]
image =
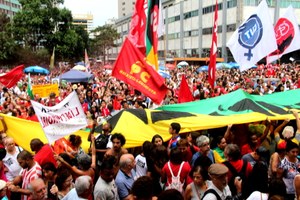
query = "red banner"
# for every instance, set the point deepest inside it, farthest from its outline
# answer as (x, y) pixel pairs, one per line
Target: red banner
(132, 68)
(213, 51)
(12, 77)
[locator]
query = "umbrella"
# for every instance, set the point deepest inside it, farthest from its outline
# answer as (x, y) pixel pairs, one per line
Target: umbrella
(36, 69)
(203, 68)
(79, 67)
(164, 74)
(139, 125)
(223, 65)
(183, 63)
(234, 65)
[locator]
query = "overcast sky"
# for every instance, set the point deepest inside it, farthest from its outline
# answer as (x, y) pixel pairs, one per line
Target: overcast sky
(102, 10)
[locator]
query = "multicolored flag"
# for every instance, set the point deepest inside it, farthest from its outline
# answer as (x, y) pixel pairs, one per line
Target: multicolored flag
(12, 77)
(51, 66)
(151, 32)
(287, 35)
(254, 39)
(213, 50)
(132, 68)
(87, 62)
(185, 94)
(138, 25)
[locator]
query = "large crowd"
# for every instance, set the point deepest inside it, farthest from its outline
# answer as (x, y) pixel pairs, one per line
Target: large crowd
(191, 165)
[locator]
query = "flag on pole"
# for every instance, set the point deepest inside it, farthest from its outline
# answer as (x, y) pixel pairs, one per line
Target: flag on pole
(254, 39)
(138, 25)
(287, 35)
(51, 66)
(132, 68)
(185, 94)
(213, 50)
(151, 33)
(62, 119)
(12, 77)
(29, 88)
(87, 62)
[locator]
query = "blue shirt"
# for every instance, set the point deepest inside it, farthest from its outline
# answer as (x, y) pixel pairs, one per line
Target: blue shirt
(124, 183)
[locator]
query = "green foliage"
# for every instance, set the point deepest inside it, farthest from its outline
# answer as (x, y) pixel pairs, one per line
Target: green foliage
(104, 38)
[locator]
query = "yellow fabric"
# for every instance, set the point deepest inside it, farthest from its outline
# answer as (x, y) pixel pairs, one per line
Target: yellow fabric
(218, 158)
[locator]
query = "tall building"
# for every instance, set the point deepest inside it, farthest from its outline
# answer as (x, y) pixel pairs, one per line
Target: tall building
(125, 7)
(9, 7)
(84, 20)
(189, 23)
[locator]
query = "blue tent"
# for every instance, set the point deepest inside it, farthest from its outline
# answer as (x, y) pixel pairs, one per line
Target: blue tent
(76, 76)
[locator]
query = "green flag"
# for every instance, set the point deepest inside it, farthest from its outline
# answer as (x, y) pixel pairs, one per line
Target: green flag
(29, 88)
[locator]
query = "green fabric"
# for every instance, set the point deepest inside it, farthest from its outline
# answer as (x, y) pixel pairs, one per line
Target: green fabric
(240, 102)
(29, 88)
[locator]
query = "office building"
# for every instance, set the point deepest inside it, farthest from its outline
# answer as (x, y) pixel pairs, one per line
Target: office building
(84, 20)
(125, 7)
(189, 23)
(9, 7)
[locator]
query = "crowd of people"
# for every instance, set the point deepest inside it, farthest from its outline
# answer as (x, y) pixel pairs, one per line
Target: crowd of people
(195, 165)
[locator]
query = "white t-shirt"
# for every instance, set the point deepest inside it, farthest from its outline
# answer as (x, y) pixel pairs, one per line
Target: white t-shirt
(141, 166)
(258, 195)
(223, 194)
(11, 163)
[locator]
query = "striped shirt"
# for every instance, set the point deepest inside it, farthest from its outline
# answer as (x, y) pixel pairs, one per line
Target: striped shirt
(30, 175)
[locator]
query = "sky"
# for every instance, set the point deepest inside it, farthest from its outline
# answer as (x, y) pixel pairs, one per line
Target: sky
(102, 10)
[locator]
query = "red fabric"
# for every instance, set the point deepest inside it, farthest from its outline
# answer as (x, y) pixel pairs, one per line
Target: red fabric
(185, 94)
(213, 51)
(184, 175)
(104, 112)
(85, 107)
(247, 149)
(11, 78)
(116, 104)
(132, 68)
(138, 26)
(238, 166)
(44, 155)
(33, 118)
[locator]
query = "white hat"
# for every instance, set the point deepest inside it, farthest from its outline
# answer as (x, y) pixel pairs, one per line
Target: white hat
(2, 184)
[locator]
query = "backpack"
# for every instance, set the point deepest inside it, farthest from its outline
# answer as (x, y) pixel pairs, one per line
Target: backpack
(241, 174)
(101, 141)
(175, 183)
(211, 191)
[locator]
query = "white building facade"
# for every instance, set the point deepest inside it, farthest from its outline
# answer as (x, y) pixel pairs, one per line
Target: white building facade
(188, 25)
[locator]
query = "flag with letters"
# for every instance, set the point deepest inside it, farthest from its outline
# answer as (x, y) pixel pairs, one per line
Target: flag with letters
(213, 51)
(254, 39)
(132, 68)
(138, 25)
(287, 35)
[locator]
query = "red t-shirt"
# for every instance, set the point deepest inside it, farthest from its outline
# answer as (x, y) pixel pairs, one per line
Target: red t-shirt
(238, 166)
(184, 175)
(44, 155)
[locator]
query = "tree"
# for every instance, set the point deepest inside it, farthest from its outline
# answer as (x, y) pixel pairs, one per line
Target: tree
(104, 39)
(7, 43)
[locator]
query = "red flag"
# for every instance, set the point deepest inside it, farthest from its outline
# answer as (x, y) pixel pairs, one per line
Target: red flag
(138, 25)
(213, 51)
(132, 68)
(185, 94)
(11, 78)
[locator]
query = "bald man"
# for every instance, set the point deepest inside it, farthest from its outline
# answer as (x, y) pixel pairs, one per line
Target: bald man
(126, 176)
(38, 189)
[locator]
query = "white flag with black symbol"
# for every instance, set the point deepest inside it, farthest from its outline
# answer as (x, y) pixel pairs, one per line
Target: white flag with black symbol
(254, 39)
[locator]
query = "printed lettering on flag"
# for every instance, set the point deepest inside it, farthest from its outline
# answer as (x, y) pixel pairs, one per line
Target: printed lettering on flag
(62, 119)
(254, 39)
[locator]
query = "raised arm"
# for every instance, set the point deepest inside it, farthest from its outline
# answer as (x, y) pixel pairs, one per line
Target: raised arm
(266, 132)
(227, 134)
(295, 113)
(280, 127)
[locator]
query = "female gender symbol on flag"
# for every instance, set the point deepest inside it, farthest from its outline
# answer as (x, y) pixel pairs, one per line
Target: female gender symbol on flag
(250, 34)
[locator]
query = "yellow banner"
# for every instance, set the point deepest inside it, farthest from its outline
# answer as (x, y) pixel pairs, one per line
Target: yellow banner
(45, 90)
(23, 131)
